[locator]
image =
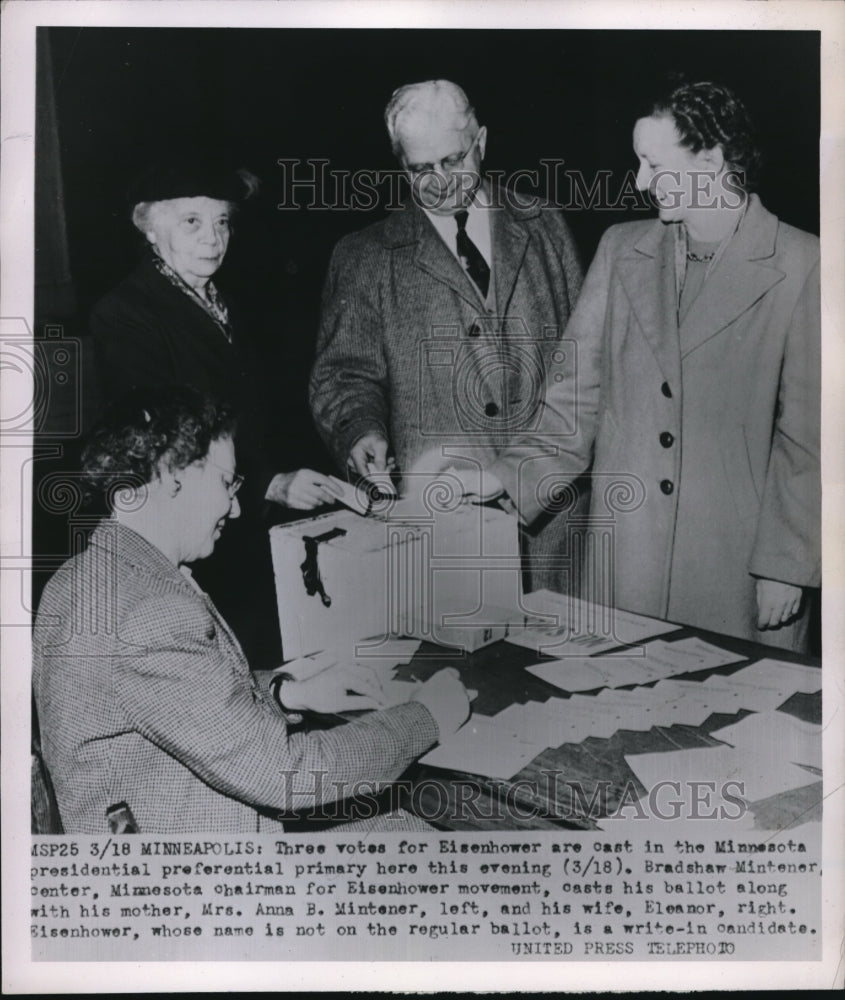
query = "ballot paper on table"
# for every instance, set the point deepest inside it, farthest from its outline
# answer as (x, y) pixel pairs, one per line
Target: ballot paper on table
(534, 724)
(585, 673)
(557, 624)
(725, 692)
(482, 747)
(680, 703)
(651, 662)
(777, 675)
(754, 776)
(776, 735)
(636, 710)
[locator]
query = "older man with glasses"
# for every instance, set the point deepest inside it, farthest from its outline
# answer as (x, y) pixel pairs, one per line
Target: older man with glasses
(441, 322)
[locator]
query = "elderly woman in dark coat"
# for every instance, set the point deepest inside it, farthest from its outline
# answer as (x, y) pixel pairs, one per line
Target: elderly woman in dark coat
(167, 324)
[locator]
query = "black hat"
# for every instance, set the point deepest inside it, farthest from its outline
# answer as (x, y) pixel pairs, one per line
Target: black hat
(186, 177)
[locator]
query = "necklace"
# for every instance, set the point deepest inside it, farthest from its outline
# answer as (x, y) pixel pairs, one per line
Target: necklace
(700, 258)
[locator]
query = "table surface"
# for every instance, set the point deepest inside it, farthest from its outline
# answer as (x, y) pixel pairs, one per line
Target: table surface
(453, 800)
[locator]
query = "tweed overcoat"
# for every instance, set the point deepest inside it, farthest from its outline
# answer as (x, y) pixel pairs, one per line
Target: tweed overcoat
(705, 437)
(145, 697)
(407, 347)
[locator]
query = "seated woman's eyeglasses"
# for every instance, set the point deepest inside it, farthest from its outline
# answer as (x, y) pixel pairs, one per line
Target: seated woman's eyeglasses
(233, 487)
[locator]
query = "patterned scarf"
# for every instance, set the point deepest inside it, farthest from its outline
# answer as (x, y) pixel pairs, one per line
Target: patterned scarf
(214, 306)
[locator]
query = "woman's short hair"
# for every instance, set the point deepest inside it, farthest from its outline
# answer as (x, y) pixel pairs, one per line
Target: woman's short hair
(147, 427)
(707, 115)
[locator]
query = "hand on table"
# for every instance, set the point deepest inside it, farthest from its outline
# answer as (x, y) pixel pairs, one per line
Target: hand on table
(446, 698)
(302, 490)
(318, 686)
(776, 603)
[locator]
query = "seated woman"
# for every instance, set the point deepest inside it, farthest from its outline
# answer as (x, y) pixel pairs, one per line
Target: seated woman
(167, 324)
(150, 716)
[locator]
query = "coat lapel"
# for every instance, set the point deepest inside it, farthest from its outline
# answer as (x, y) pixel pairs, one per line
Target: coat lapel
(741, 277)
(434, 257)
(647, 274)
(510, 241)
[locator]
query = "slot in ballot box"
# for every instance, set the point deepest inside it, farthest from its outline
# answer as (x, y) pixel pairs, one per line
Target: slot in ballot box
(447, 577)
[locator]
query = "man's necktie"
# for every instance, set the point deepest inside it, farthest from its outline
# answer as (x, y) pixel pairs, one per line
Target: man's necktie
(470, 256)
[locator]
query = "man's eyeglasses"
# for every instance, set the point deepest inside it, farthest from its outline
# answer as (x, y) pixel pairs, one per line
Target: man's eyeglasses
(448, 165)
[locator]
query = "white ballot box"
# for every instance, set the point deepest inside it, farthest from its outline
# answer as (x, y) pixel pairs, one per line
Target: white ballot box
(448, 577)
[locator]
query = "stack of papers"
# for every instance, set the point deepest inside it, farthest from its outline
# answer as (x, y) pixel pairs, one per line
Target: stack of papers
(502, 745)
(650, 662)
(555, 624)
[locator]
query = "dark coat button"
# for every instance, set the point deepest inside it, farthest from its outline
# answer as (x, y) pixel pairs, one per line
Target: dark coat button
(667, 392)
(491, 409)
(475, 330)
(667, 486)
(667, 439)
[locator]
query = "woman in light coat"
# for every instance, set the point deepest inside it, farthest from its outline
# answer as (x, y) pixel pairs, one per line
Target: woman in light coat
(696, 393)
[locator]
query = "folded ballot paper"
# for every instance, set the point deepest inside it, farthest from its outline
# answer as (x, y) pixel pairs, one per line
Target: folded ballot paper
(406, 569)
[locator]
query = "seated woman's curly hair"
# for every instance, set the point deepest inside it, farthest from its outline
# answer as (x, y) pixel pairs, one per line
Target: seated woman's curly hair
(707, 115)
(147, 427)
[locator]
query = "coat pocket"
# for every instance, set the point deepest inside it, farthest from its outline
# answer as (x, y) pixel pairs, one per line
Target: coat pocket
(739, 473)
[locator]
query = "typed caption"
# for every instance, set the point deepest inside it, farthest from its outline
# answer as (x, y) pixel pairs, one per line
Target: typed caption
(568, 895)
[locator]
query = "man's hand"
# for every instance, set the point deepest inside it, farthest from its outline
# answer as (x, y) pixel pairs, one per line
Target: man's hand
(446, 698)
(316, 687)
(302, 490)
(776, 603)
(369, 454)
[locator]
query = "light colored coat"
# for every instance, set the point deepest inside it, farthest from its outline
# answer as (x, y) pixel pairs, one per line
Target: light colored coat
(706, 438)
(408, 348)
(145, 697)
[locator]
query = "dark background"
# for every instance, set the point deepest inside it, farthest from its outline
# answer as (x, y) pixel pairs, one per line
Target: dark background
(113, 98)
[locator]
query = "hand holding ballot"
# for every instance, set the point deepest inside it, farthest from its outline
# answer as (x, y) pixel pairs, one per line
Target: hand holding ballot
(475, 483)
(370, 453)
(478, 486)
